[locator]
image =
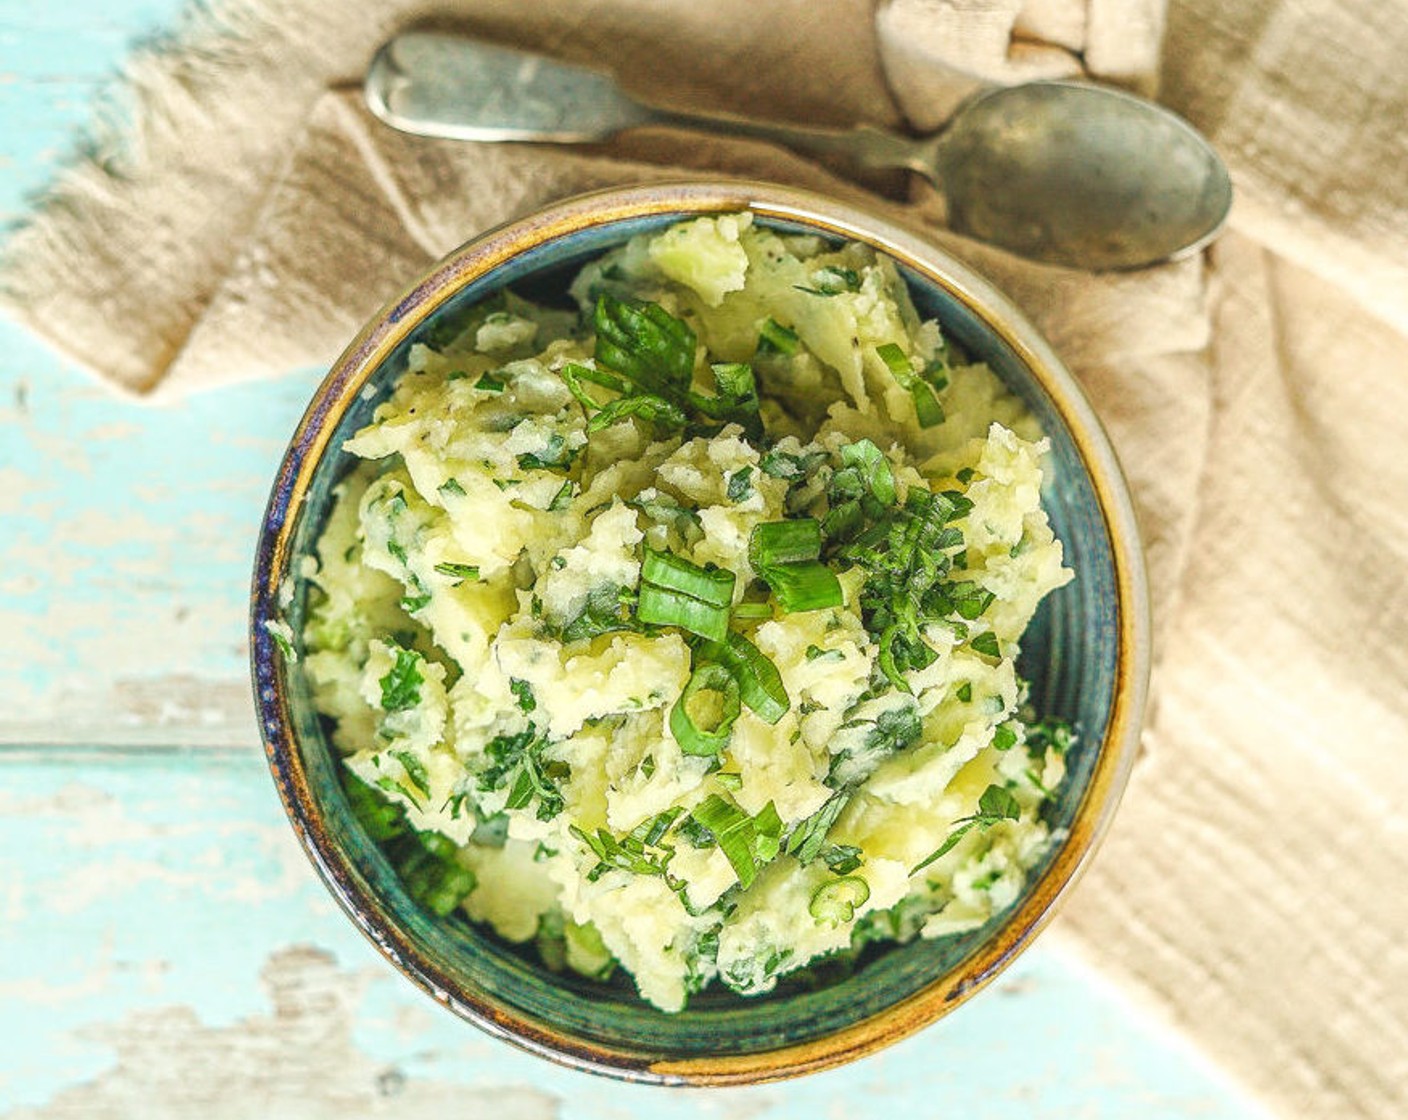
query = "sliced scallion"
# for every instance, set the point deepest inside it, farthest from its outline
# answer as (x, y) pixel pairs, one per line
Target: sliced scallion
(784, 542)
(674, 573)
(759, 683)
(834, 903)
(806, 586)
(699, 734)
(661, 606)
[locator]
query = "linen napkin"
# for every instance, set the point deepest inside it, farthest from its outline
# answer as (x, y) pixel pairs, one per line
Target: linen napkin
(247, 216)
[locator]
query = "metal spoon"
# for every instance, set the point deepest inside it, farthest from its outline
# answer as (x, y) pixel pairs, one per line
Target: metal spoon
(1062, 172)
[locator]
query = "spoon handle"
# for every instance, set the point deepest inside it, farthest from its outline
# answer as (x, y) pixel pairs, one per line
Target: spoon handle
(437, 84)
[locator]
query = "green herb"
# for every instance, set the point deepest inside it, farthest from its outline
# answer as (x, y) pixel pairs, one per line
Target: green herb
(490, 384)
(808, 837)
(400, 686)
(647, 767)
(608, 608)
(745, 841)
(523, 693)
(927, 408)
(751, 610)
(380, 818)
(805, 586)
(965, 475)
(739, 488)
(462, 571)
(841, 859)
(729, 780)
(874, 469)
(774, 338)
(412, 603)
(646, 344)
(517, 763)
(996, 804)
(433, 876)
(562, 499)
(415, 770)
(784, 542)
(965, 692)
(555, 454)
(986, 644)
(760, 685)
(632, 852)
(832, 281)
(784, 554)
(646, 406)
(1049, 734)
(781, 464)
(574, 375)
(735, 398)
(676, 592)
(834, 903)
(699, 734)
(816, 653)
(1004, 738)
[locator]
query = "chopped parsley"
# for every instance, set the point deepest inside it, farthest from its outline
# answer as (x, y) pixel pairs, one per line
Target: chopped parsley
(458, 571)
(400, 686)
(739, 487)
(996, 804)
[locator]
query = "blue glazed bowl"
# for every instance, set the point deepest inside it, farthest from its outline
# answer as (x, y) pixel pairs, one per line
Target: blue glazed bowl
(1087, 656)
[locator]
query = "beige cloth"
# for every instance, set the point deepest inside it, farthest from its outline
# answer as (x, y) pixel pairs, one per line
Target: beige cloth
(247, 221)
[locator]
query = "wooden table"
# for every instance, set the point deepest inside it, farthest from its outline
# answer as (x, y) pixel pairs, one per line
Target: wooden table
(165, 949)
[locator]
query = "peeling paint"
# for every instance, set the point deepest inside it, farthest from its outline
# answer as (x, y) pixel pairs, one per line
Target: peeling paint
(297, 1060)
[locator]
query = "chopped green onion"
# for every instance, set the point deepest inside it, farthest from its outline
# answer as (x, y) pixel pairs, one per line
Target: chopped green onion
(746, 610)
(490, 384)
(834, 903)
(674, 573)
(452, 486)
(661, 606)
(729, 780)
(759, 683)
(733, 829)
(927, 408)
(1004, 738)
(784, 542)
(709, 678)
(816, 653)
(806, 586)
(646, 406)
(767, 833)
(774, 337)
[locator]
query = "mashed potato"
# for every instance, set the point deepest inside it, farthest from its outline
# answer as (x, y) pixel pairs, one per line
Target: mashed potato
(679, 635)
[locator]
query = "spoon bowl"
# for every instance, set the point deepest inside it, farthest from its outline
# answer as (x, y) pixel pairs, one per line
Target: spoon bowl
(1079, 175)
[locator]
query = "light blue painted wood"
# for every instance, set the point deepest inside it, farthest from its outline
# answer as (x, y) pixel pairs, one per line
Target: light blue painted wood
(134, 884)
(150, 903)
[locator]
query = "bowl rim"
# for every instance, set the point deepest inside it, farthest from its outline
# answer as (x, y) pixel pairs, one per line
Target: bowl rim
(686, 198)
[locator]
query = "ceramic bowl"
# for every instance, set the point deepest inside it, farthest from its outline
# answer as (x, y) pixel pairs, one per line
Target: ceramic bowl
(1087, 656)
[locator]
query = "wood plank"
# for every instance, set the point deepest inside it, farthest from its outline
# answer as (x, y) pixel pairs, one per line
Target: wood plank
(165, 951)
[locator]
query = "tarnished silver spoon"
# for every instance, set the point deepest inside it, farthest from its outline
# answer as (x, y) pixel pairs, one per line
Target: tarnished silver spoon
(1063, 172)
